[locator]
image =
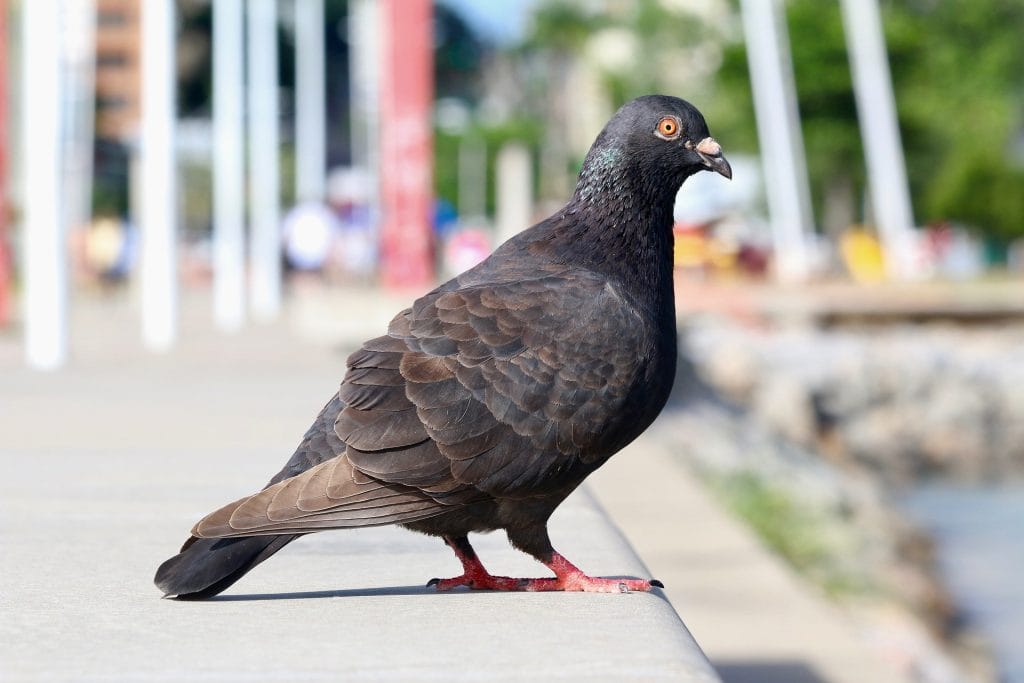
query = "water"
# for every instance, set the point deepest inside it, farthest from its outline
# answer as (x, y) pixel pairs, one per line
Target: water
(981, 556)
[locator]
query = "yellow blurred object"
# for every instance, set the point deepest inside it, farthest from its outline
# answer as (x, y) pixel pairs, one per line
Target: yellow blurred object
(691, 250)
(862, 255)
(104, 245)
(722, 255)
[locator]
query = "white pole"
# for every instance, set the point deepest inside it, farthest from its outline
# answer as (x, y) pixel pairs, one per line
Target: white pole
(514, 179)
(78, 74)
(46, 286)
(472, 166)
(228, 167)
(264, 180)
(779, 136)
(159, 187)
(880, 132)
(310, 102)
(364, 66)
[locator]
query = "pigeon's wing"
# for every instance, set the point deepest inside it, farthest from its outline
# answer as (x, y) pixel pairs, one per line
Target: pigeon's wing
(489, 390)
(520, 383)
(318, 488)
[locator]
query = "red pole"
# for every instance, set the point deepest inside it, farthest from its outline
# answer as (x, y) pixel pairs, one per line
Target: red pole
(406, 144)
(5, 252)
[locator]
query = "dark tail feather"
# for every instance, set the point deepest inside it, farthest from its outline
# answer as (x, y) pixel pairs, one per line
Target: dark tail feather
(206, 566)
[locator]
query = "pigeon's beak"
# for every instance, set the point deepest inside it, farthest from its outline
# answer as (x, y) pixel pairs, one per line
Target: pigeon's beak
(710, 153)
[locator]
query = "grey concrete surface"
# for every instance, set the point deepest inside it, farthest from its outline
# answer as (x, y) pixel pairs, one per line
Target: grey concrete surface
(756, 619)
(106, 465)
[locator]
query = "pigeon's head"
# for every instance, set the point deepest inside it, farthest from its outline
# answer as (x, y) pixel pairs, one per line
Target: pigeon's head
(656, 139)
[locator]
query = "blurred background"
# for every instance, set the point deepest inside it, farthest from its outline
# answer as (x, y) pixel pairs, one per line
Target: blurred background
(851, 304)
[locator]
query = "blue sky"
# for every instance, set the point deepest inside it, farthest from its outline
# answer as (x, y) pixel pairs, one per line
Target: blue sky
(501, 20)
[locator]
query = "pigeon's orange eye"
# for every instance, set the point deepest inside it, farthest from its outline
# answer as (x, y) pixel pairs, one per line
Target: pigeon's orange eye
(668, 127)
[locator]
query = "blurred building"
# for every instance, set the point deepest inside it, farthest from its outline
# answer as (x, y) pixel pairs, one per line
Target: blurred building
(117, 68)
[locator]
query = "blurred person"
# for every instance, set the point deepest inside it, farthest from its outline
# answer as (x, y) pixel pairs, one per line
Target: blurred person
(104, 251)
(309, 231)
(353, 252)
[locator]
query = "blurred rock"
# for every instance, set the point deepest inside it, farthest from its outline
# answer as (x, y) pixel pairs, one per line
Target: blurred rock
(903, 402)
(783, 403)
(732, 370)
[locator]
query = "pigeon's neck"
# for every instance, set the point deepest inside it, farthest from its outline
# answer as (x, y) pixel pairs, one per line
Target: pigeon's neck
(619, 222)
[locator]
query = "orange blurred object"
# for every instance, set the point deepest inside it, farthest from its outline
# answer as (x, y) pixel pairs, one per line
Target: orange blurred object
(691, 248)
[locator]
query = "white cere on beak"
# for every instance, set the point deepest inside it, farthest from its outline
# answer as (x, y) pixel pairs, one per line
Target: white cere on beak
(709, 146)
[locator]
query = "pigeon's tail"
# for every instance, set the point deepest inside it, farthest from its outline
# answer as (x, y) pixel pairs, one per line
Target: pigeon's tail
(207, 566)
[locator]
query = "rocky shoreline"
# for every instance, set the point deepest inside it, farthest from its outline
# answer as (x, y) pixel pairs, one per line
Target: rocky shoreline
(806, 434)
(902, 403)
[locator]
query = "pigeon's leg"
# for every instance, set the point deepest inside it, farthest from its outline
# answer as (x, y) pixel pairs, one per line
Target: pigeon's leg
(474, 574)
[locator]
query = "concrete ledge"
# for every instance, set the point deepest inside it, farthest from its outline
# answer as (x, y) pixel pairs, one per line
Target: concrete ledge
(332, 606)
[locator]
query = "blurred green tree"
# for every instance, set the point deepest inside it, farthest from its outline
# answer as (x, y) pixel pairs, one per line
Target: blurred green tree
(635, 48)
(967, 87)
(959, 85)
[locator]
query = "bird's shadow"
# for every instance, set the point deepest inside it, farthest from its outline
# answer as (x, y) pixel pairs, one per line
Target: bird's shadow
(341, 593)
(382, 591)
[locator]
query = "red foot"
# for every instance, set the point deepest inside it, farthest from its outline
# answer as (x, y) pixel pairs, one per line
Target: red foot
(589, 584)
(568, 577)
(570, 583)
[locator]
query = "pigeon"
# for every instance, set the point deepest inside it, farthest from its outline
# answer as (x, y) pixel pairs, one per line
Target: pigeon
(492, 397)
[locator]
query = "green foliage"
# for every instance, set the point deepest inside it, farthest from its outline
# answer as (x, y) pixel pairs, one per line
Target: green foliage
(960, 96)
(824, 92)
(967, 88)
(982, 190)
(562, 26)
(446, 153)
(827, 107)
(660, 33)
